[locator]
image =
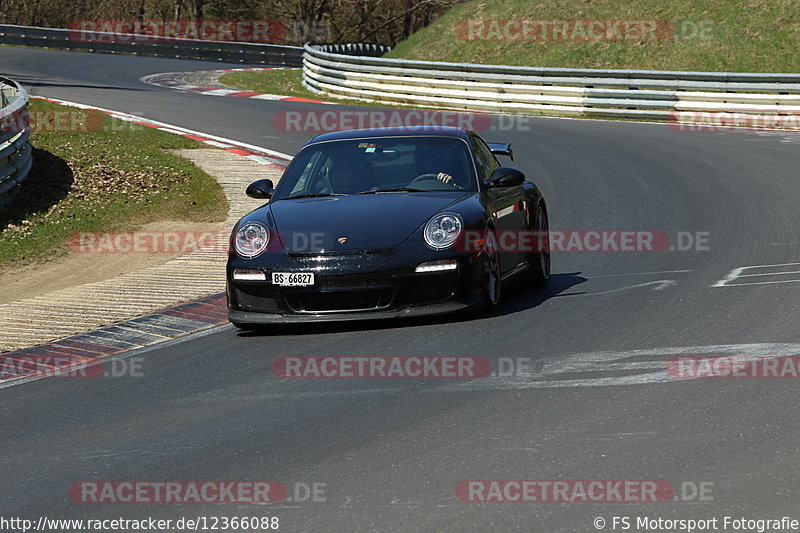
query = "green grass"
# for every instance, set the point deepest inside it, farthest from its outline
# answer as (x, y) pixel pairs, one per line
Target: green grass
(290, 83)
(283, 82)
(116, 178)
(743, 36)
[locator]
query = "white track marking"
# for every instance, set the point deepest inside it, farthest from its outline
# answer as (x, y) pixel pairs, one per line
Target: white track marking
(218, 144)
(660, 285)
(177, 129)
(260, 159)
(759, 283)
(769, 274)
(169, 130)
(221, 92)
(737, 273)
(268, 97)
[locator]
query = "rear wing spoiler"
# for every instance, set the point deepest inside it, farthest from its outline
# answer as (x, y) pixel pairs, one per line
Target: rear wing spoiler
(502, 149)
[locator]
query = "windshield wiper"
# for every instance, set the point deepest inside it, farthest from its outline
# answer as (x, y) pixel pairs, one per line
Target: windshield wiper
(313, 195)
(397, 189)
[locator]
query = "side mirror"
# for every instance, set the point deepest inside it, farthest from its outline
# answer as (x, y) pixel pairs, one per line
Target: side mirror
(505, 177)
(260, 189)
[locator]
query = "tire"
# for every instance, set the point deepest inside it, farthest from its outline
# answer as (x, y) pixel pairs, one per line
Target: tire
(491, 273)
(539, 271)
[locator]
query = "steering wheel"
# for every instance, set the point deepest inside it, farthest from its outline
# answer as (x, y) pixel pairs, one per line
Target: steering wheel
(432, 178)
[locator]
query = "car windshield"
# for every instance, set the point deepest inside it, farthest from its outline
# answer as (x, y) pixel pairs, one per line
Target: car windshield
(379, 165)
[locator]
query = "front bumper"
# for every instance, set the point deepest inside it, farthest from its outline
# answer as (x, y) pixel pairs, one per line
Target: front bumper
(364, 286)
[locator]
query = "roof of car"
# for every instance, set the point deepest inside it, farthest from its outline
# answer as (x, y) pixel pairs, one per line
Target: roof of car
(405, 131)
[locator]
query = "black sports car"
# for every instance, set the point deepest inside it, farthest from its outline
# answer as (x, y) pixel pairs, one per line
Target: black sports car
(387, 223)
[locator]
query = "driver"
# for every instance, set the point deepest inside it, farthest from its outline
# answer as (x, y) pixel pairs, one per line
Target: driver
(437, 161)
(347, 175)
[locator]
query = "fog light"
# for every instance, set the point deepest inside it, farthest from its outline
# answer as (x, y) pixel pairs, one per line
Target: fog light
(438, 266)
(241, 274)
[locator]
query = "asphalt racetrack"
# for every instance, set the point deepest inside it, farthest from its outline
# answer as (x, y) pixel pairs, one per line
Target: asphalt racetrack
(389, 454)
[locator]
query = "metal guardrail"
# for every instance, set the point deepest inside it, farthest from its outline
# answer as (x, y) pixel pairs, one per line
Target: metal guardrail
(595, 93)
(118, 43)
(15, 150)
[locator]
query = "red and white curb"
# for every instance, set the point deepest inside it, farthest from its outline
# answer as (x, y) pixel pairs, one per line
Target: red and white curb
(71, 356)
(170, 80)
(258, 154)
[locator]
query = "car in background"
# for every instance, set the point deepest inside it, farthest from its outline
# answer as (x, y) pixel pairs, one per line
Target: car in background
(385, 223)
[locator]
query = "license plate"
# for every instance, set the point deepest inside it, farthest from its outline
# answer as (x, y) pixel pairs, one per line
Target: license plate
(293, 279)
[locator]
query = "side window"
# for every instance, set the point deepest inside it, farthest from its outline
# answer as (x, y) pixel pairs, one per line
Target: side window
(305, 177)
(484, 158)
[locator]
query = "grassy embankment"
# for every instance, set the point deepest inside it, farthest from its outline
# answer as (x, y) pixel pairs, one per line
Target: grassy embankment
(717, 35)
(114, 176)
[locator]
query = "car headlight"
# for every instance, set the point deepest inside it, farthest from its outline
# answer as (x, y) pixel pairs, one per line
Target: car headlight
(443, 230)
(251, 239)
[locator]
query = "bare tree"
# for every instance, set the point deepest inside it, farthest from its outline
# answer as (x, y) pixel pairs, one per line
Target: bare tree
(371, 21)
